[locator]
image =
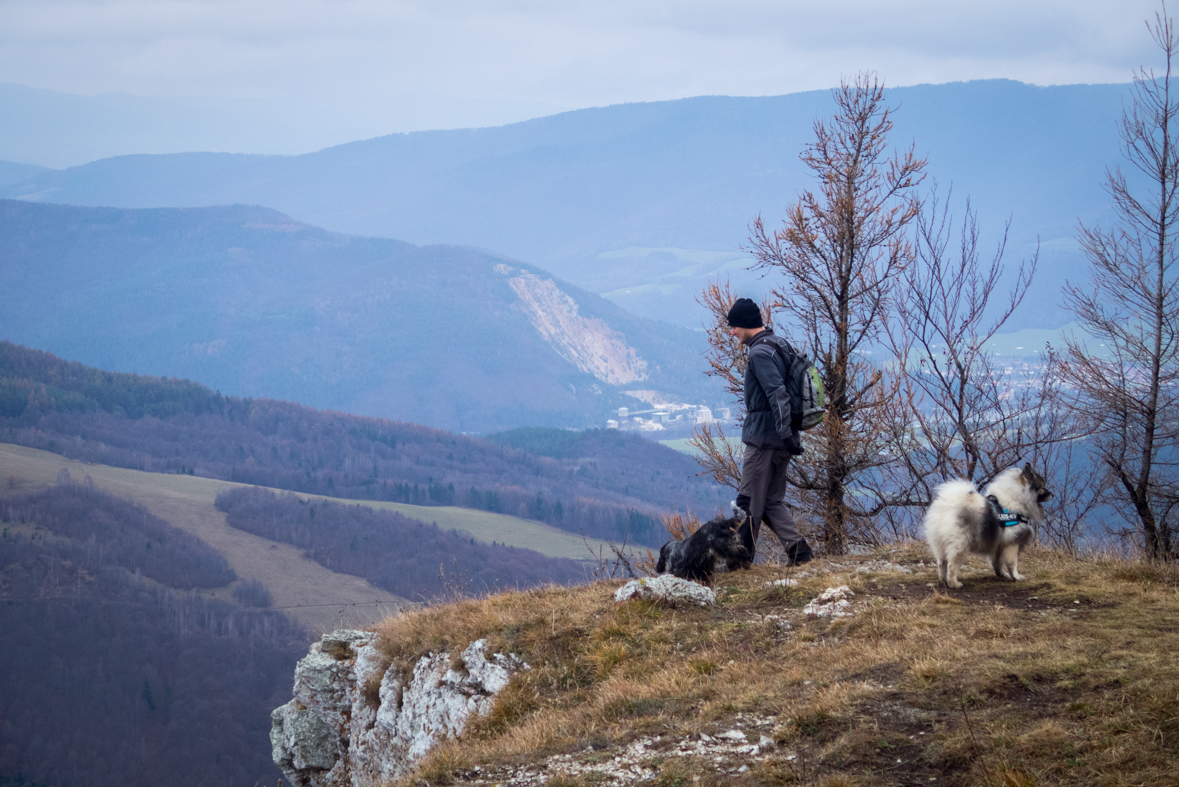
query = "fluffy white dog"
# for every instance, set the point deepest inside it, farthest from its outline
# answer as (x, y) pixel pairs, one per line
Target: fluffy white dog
(997, 523)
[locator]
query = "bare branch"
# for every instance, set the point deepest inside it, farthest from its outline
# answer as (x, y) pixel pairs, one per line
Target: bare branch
(837, 257)
(1124, 384)
(971, 416)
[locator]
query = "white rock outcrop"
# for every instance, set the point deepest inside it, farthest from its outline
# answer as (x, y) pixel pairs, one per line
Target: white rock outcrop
(355, 722)
(831, 603)
(587, 342)
(666, 587)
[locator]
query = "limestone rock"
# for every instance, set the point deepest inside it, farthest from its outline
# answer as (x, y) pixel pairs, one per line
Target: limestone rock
(355, 721)
(831, 603)
(666, 588)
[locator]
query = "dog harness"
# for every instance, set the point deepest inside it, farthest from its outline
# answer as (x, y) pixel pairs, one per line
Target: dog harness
(1005, 517)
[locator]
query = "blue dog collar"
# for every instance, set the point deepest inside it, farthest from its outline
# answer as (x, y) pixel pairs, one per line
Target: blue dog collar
(1005, 517)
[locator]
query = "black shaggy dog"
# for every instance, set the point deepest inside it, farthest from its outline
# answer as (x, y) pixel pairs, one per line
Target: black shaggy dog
(695, 557)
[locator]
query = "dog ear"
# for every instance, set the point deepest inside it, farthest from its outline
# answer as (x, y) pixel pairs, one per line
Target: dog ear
(1028, 475)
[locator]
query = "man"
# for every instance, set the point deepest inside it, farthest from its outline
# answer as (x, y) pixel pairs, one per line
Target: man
(770, 433)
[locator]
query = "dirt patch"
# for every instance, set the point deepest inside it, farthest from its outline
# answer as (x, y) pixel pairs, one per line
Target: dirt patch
(888, 674)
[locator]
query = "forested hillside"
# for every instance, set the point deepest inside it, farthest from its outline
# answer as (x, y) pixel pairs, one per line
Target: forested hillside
(603, 484)
(250, 302)
(412, 559)
(114, 673)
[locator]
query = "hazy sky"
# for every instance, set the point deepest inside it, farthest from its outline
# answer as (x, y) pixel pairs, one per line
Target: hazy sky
(399, 66)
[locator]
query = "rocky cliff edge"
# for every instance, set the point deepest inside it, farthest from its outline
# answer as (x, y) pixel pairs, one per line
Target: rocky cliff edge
(356, 720)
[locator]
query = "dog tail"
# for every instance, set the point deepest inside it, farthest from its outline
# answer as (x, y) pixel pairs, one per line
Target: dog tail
(958, 489)
(950, 497)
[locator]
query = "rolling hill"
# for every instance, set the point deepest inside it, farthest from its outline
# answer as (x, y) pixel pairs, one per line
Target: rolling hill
(253, 303)
(11, 172)
(643, 202)
(60, 129)
(600, 483)
(311, 594)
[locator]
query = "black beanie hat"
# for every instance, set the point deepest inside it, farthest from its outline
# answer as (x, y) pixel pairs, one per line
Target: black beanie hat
(745, 314)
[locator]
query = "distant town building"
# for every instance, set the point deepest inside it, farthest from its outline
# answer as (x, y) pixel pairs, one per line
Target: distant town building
(666, 416)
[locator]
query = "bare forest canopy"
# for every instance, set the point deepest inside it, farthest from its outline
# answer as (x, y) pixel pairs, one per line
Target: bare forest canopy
(115, 671)
(603, 485)
(645, 202)
(119, 533)
(407, 557)
(250, 302)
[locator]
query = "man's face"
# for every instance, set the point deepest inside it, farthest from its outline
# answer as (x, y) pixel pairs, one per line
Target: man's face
(744, 334)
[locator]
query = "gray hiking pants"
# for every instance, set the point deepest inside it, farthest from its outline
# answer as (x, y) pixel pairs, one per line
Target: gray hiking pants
(763, 495)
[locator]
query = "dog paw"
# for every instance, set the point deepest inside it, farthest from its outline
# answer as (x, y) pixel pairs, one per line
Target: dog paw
(1018, 577)
(955, 584)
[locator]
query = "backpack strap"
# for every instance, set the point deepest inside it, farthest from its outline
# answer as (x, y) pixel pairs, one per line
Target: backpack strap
(779, 349)
(785, 350)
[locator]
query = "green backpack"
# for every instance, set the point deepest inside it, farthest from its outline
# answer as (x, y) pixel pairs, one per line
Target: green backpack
(804, 384)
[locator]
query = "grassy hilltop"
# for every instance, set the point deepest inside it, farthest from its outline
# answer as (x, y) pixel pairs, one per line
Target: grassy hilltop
(1065, 678)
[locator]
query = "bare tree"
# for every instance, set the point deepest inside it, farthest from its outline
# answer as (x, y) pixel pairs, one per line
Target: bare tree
(1127, 394)
(970, 414)
(1076, 481)
(838, 255)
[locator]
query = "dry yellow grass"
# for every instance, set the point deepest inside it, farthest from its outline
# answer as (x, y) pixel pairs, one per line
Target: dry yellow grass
(1066, 678)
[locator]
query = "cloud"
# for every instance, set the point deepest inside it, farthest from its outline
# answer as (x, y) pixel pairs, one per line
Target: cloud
(410, 65)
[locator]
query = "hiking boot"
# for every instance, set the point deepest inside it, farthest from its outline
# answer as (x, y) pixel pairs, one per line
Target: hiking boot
(799, 553)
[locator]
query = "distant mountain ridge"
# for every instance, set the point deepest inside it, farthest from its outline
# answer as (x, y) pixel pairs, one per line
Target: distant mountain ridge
(61, 129)
(644, 202)
(11, 172)
(249, 301)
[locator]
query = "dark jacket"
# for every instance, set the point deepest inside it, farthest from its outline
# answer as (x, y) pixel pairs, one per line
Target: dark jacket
(771, 415)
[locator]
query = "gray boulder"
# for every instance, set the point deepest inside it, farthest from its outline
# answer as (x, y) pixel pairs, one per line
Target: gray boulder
(668, 588)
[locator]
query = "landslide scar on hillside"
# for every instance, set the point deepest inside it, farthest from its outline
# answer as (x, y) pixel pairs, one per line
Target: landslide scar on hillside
(586, 342)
